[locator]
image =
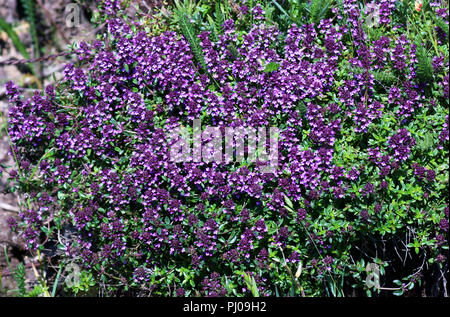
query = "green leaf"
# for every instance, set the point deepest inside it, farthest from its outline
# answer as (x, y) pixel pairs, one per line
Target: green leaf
(283, 11)
(317, 10)
(37, 290)
(442, 25)
(189, 33)
(398, 293)
(30, 13)
(302, 108)
(426, 142)
(288, 203)
(220, 19)
(19, 276)
(271, 67)
(424, 69)
(251, 284)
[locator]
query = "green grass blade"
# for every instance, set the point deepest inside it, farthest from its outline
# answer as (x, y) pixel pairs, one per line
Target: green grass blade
(30, 13)
(56, 281)
(18, 44)
(282, 10)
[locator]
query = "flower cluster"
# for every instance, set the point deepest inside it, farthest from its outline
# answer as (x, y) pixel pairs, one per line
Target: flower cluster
(98, 149)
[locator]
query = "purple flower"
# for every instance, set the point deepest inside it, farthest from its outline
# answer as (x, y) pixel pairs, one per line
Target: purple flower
(431, 175)
(180, 292)
(12, 224)
(244, 9)
(401, 143)
(377, 208)
(367, 190)
(440, 258)
(443, 225)
(212, 286)
(258, 12)
(364, 215)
